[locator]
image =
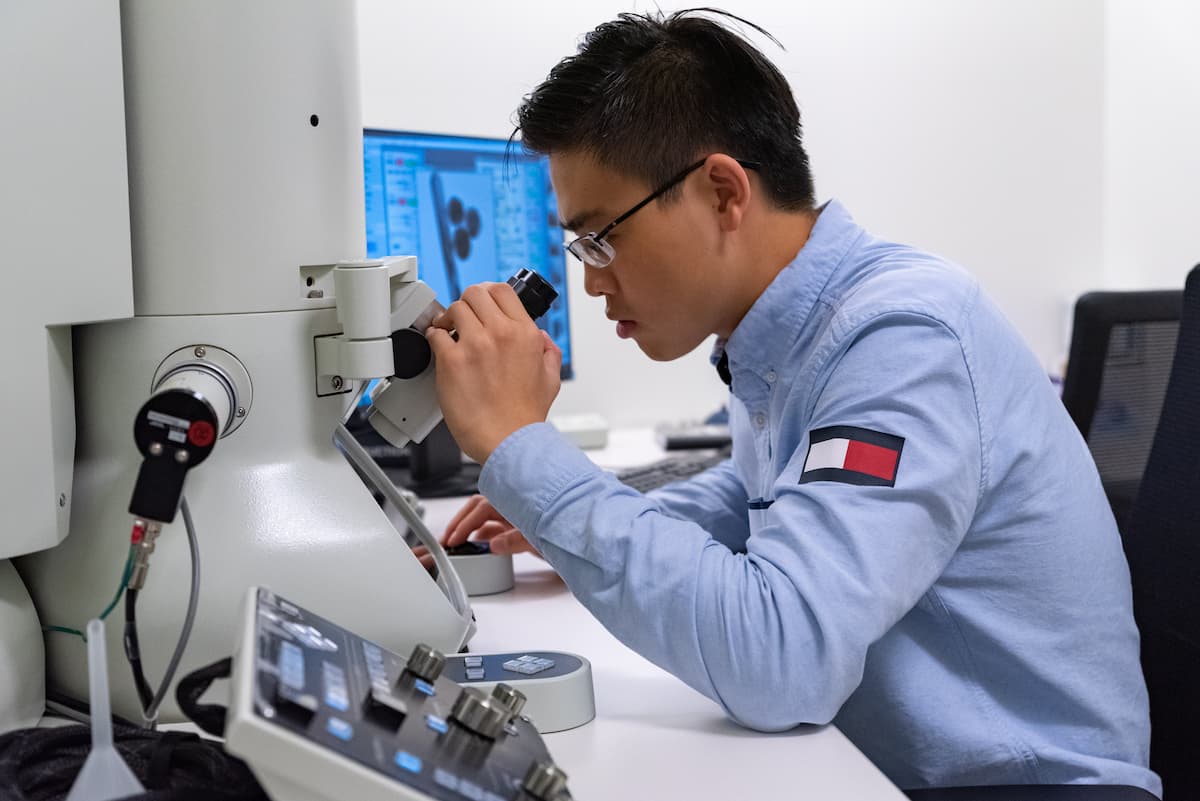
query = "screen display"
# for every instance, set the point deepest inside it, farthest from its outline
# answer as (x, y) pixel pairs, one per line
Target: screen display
(470, 210)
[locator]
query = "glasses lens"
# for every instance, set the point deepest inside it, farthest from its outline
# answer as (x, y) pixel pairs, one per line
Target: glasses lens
(591, 251)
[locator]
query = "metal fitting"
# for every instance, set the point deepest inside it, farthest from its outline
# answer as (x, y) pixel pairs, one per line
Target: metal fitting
(141, 555)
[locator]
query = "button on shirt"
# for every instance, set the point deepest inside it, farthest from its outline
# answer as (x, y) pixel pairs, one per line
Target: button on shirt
(911, 539)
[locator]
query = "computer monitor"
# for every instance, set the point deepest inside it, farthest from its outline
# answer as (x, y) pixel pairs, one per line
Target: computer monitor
(470, 210)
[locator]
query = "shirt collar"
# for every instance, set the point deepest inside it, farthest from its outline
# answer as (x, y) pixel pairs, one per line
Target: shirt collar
(764, 337)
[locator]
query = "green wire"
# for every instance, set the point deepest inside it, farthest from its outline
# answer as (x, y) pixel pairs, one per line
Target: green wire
(65, 630)
(121, 588)
(111, 606)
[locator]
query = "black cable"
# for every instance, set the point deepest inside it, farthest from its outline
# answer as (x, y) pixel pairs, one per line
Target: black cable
(209, 717)
(41, 765)
(133, 652)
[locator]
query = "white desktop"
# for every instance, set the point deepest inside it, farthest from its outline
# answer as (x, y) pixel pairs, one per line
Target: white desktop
(653, 736)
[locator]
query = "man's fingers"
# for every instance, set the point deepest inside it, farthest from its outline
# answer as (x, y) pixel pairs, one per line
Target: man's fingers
(491, 528)
(551, 354)
(458, 532)
(510, 542)
(425, 558)
(463, 511)
(506, 299)
(459, 316)
(439, 340)
(483, 303)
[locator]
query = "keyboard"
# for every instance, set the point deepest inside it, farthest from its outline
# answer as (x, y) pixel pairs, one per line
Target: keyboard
(673, 468)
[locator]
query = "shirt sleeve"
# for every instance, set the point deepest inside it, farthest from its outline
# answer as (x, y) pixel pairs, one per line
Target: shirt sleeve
(716, 499)
(777, 635)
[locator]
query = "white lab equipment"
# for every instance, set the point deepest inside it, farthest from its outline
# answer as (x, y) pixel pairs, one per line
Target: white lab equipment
(249, 286)
(64, 225)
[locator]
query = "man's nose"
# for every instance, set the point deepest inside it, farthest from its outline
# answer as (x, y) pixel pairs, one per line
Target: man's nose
(597, 281)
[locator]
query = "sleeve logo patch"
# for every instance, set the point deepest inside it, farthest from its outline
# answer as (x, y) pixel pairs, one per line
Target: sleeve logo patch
(852, 456)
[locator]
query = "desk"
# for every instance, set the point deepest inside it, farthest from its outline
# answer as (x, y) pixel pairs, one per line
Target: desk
(653, 736)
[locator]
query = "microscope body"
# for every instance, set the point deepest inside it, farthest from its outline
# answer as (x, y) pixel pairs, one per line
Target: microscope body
(249, 284)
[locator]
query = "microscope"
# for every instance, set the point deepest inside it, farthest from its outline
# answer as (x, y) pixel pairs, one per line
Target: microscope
(248, 289)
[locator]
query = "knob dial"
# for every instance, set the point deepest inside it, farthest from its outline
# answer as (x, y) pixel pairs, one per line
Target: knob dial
(425, 662)
(544, 781)
(511, 699)
(482, 715)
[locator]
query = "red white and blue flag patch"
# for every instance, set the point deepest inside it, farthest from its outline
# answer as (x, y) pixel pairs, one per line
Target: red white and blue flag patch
(852, 456)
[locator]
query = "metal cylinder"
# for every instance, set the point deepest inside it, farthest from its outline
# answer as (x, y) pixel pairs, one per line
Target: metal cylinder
(482, 715)
(425, 662)
(544, 781)
(511, 699)
(209, 383)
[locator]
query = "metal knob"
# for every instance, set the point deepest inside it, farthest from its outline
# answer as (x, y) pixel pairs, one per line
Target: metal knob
(425, 662)
(511, 699)
(480, 714)
(544, 781)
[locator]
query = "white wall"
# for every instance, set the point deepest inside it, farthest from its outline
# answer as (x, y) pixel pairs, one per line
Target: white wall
(971, 129)
(1152, 150)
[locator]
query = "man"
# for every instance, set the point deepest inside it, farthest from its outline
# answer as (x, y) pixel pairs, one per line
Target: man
(911, 540)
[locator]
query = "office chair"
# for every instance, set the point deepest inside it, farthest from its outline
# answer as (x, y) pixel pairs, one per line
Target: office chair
(1122, 344)
(1161, 536)
(1163, 548)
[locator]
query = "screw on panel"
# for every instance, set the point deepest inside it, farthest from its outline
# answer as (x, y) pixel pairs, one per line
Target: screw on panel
(241, 411)
(336, 382)
(156, 449)
(200, 351)
(181, 457)
(62, 499)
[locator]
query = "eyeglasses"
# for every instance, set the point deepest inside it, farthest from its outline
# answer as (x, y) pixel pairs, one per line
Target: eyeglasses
(594, 250)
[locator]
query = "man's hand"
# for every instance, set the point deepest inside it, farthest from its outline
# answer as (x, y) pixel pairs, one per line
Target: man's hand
(479, 517)
(500, 375)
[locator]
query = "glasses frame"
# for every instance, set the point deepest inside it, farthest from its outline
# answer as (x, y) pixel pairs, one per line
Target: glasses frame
(592, 249)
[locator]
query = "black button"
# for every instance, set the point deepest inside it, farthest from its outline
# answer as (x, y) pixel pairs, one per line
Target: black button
(384, 709)
(294, 706)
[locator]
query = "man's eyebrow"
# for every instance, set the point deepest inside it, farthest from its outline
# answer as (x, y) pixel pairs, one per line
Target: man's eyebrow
(578, 220)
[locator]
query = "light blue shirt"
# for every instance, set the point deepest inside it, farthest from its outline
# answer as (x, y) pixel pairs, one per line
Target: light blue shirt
(956, 601)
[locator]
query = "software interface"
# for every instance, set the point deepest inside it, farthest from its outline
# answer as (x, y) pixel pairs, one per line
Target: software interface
(470, 210)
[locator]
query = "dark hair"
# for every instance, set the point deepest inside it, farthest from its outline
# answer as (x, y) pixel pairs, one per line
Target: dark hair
(648, 94)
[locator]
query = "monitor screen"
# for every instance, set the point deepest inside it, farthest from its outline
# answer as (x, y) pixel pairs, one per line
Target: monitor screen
(470, 210)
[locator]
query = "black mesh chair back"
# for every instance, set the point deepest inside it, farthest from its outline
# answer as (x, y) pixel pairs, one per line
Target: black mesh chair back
(1122, 344)
(1163, 548)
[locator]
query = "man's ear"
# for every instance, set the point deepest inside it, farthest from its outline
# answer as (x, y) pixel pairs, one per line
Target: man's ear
(729, 185)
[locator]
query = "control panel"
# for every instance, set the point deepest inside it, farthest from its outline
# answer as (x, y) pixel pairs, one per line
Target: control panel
(557, 686)
(318, 712)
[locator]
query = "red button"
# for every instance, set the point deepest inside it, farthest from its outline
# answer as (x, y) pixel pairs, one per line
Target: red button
(201, 434)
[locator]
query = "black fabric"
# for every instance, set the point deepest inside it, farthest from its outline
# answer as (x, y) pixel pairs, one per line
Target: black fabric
(723, 369)
(158, 771)
(41, 765)
(1162, 543)
(1034, 792)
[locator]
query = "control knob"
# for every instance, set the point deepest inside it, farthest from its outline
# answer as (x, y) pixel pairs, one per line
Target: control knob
(482, 715)
(511, 699)
(425, 662)
(544, 781)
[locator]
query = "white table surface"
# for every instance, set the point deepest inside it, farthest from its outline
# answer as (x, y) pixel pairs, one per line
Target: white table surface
(653, 736)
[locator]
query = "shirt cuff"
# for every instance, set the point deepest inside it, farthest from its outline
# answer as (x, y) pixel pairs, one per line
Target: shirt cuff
(528, 471)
